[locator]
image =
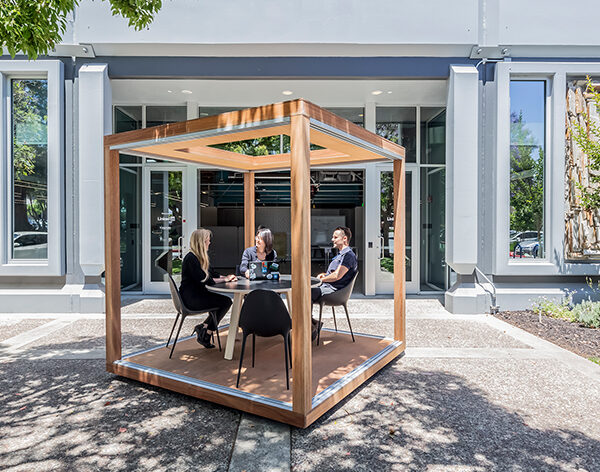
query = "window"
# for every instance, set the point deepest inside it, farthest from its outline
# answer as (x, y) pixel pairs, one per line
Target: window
(398, 124)
(29, 146)
(32, 236)
(527, 162)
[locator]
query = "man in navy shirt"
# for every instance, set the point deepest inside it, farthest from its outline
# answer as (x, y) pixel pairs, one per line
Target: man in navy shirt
(341, 270)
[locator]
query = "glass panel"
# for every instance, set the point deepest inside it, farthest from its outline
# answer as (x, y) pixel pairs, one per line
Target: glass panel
(527, 136)
(354, 114)
(386, 214)
(398, 124)
(211, 111)
(166, 230)
(160, 115)
(29, 111)
(130, 216)
(433, 228)
(127, 118)
(433, 135)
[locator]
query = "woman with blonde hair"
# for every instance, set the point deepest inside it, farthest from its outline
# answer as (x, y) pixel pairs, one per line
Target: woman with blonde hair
(196, 274)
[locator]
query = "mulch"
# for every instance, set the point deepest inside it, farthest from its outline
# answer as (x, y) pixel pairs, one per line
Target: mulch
(572, 336)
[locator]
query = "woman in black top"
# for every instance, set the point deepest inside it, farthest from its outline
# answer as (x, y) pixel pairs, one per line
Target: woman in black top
(196, 274)
(261, 251)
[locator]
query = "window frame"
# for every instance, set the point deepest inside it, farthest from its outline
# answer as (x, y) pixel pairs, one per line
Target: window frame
(555, 74)
(54, 265)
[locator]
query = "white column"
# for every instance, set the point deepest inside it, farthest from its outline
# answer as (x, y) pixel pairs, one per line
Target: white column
(371, 212)
(462, 189)
(95, 100)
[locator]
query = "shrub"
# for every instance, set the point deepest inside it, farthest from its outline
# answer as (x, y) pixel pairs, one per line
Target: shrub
(554, 309)
(587, 313)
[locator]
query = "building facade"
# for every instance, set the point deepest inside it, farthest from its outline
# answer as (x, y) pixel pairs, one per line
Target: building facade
(478, 92)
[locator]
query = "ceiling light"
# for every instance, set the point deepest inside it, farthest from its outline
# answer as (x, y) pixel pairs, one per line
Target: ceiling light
(361, 115)
(389, 91)
(170, 91)
(376, 92)
(287, 92)
(187, 91)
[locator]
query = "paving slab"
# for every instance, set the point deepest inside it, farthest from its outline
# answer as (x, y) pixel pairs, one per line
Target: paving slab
(10, 327)
(261, 445)
(90, 334)
(72, 415)
(435, 333)
(460, 414)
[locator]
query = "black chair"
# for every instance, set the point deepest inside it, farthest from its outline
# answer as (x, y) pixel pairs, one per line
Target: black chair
(338, 298)
(264, 314)
(183, 311)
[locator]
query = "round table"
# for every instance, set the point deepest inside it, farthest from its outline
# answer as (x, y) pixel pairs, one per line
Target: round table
(243, 286)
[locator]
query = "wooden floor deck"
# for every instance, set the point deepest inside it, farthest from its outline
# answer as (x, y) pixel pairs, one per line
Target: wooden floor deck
(335, 357)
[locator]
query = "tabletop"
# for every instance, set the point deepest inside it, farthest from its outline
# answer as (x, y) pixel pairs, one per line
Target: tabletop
(244, 285)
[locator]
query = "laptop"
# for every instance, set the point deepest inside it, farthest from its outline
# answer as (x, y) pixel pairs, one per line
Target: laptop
(260, 270)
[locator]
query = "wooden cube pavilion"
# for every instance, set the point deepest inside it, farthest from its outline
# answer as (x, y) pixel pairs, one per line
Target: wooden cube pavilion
(190, 141)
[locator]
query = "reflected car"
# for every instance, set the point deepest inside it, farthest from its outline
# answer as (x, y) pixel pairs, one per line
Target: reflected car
(527, 249)
(30, 245)
(523, 236)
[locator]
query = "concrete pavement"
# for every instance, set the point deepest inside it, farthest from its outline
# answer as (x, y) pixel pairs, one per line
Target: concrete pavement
(472, 394)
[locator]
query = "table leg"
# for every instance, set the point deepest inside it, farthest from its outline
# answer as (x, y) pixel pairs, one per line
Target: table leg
(288, 299)
(233, 325)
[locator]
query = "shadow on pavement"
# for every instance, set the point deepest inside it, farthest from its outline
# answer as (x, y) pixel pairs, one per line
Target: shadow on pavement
(415, 419)
(71, 415)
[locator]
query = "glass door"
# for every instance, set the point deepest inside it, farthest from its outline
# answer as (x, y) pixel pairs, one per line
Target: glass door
(385, 270)
(163, 226)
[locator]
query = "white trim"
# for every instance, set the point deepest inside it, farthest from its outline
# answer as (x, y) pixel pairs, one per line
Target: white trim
(556, 73)
(52, 71)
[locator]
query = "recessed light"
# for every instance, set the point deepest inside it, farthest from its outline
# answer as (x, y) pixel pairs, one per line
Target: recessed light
(170, 91)
(389, 91)
(376, 92)
(187, 91)
(287, 92)
(360, 114)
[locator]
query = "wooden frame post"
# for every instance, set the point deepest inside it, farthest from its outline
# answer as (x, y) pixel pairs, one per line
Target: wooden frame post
(301, 301)
(112, 240)
(399, 252)
(249, 210)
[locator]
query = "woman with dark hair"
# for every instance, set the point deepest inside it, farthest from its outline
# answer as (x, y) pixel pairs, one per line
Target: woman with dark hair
(261, 251)
(196, 274)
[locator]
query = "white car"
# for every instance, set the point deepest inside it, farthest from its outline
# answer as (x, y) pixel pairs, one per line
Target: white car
(30, 245)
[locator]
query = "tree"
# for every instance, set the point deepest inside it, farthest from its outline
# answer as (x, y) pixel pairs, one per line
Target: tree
(36, 27)
(588, 138)
(526, 178)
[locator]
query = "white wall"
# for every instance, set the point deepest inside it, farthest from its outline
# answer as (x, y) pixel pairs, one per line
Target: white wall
(399, 22)
(342, 27)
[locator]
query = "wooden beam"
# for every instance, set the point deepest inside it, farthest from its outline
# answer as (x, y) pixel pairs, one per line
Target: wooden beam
(399, 252)
(301, 309)
(249, 212)
(112, 256)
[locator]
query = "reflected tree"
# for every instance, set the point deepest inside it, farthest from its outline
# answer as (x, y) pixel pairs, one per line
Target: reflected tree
(526, 178)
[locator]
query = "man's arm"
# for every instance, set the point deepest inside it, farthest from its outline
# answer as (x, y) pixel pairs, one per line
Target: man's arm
(337, 274)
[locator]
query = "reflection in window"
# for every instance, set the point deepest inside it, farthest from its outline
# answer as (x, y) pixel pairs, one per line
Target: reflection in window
(527, 136)
(354, 114)
(398, 124)
(29, 112)
(160, 115)
(433, 135)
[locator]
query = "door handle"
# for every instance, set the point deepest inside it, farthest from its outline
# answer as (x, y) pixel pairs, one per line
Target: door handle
(381, 248)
